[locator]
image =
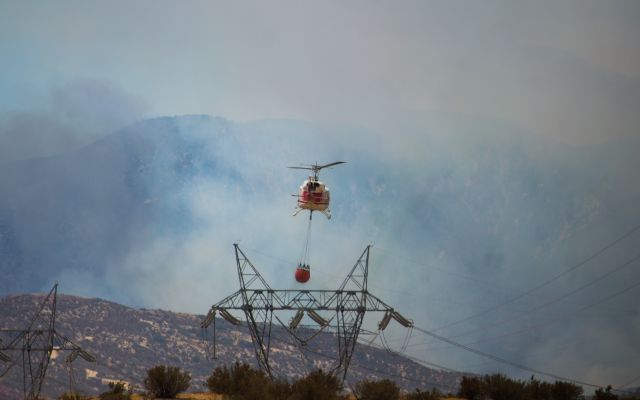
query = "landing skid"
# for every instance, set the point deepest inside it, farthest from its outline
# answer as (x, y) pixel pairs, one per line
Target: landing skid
(326, 213)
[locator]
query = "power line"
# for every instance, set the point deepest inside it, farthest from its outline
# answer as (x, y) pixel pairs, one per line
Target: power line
(629, 383)
(564, 317)
(553, 301)
(543, 284)
(547, 282)
(413, 358)
(381, 288)
(508, 362)
(364, 367)
(504, 361)
(560, 318)
(446, 271)
(498, 359)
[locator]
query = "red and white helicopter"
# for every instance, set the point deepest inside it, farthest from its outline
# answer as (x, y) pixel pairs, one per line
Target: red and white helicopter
(314, 195)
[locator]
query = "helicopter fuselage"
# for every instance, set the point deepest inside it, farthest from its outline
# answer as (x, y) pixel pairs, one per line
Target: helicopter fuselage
(313, 195)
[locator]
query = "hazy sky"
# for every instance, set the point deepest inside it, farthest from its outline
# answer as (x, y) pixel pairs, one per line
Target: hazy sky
(567, 69)
(410, 74)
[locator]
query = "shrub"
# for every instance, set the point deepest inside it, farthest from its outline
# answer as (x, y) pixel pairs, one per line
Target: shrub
(236, 380)
(499, 387)
(472, 388)
(538, 390)
(279, 390)
(166, 382)
(117, 391)
(604, 394)
(565, 391)
(377, 390)
(220, 381)
(243, 382)
(318, 385)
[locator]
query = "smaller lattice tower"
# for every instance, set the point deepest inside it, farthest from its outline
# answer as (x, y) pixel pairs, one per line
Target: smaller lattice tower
(30, 348)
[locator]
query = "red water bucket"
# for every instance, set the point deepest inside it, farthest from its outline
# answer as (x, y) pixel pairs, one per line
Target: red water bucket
(303, 274)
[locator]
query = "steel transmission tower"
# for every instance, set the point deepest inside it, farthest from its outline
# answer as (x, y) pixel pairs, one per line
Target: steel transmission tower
(339, 312)
(36, 343)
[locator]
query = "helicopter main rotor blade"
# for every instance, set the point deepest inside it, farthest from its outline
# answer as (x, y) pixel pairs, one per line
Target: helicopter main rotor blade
(319, 167)
(309, 168)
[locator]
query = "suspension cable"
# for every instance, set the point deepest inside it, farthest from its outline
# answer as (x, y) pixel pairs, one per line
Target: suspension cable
(304, 259)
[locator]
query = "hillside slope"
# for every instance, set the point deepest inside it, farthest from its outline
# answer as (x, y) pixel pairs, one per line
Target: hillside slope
(127, 342)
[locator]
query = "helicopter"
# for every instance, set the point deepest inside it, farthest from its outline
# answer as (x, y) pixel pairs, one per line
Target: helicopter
(313, 194)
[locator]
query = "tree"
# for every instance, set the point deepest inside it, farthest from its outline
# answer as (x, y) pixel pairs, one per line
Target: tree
(166, 382)
(565, 391)
(605, 394)
(279, 390)
(538, 390)
(220, 381)
(377, 390)
(499, 387)
(243, 382)
(472, 388)
(318, 385)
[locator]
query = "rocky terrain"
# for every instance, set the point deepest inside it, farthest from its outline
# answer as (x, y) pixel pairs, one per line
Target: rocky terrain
(127, 342)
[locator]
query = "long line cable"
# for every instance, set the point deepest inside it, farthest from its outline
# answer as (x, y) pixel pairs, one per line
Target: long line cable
(304, 259)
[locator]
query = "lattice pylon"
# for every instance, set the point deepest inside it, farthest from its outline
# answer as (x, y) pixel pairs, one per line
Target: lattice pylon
(260, 304)
(352, 305)
(36, 343)
(257, 307)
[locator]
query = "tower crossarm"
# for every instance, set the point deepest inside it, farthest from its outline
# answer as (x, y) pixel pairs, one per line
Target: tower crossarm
(231, 302)
(279, 300)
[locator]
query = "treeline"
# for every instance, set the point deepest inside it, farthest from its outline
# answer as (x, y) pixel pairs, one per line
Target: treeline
(500, 387)
(243, 382)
